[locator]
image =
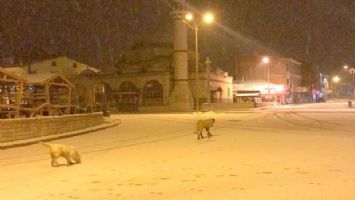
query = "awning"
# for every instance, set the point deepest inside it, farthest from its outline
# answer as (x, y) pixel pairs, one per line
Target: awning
(254, 94)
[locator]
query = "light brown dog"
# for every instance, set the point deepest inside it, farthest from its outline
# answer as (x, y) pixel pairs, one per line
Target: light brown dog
(61, 150)
(206, 124)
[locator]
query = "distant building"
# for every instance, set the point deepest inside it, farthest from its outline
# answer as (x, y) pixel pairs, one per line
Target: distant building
(143, 80)
(274, 81)
(83, 76)
(63, 65)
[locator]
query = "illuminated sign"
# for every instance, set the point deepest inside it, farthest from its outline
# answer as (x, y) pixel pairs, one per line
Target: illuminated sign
(262, 88)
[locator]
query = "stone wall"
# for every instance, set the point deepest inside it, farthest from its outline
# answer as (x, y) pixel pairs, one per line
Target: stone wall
(153, 109)
(17, 129)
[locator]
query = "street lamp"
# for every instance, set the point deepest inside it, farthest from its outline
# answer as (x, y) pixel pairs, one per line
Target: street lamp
(207, 18)
(336, 80)
(266, 60)
(352, 72)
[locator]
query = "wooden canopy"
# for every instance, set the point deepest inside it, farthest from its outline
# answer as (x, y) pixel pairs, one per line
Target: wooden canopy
(31, 94)
(11, 90)
(49, 93)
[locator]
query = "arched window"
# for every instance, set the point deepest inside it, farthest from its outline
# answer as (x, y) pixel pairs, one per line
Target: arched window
(127, 97)
(153, 93)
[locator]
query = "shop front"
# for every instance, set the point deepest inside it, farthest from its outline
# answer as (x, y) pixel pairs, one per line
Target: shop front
(259, 91)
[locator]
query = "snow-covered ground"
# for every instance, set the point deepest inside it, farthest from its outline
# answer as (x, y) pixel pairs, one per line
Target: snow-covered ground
(264, 154)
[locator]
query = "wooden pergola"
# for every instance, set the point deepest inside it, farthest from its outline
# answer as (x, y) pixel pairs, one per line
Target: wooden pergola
(11, 91)
(23, 94)
(47, 94)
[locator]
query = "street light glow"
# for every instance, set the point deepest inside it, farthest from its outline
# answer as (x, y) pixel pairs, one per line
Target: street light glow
(189, 17)
(208, 18)
(346, 67)
(265, 60)
(336, 79)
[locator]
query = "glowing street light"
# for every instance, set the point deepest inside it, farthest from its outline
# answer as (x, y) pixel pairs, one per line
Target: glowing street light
(266, 60)
(207, 18)
(189, 17)
(346, 67)
(336, 79)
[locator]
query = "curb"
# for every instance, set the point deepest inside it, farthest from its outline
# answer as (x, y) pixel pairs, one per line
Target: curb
(19, 143)
(291, 111)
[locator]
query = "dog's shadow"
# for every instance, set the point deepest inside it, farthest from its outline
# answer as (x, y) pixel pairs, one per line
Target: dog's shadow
(206, 139)
(65, 165)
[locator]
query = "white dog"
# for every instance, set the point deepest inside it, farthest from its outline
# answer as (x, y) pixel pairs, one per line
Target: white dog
(61, 150)
(204, 124)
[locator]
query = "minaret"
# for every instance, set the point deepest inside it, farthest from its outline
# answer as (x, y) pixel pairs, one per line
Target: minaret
(181, 97)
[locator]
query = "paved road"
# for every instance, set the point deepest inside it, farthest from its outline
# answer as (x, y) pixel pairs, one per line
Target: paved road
(324, 107)
(266, 154)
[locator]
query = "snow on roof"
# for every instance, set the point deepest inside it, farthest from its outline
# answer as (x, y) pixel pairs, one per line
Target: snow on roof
(39, 78)
(94, 69)
(11, 74)
(252, 81)
(81, 66)
(18, 71)
(44, 78)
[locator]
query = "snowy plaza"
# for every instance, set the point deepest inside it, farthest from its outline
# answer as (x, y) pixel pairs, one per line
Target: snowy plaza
(277, 153)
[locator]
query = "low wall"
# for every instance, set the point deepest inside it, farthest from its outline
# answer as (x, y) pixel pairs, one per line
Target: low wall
(226, 106)
(152, 109)
(18, 129)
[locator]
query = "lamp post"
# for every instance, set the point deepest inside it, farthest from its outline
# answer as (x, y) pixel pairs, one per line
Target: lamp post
(352, 72)
(336, 79)
(207, 18)
(196, 68)
(266, 61)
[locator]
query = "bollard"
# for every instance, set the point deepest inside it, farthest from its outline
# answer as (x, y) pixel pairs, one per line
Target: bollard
(349, 104)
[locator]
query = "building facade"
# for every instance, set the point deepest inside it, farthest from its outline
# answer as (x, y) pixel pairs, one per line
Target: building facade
(149, 71)
(274, 80)
(142, 80)
(62, 65)
(83, 76)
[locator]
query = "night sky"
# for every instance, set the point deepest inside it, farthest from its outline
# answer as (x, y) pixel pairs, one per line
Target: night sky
(321, 32)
